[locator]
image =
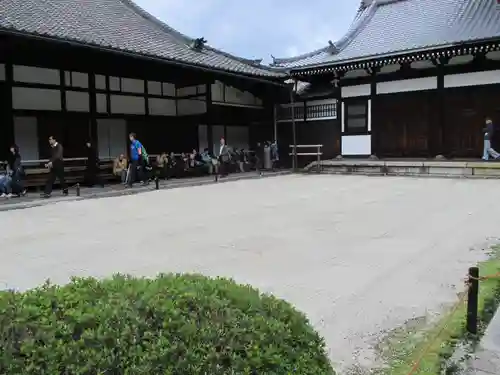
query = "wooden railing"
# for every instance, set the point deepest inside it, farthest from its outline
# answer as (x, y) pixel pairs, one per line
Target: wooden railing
(318, 153)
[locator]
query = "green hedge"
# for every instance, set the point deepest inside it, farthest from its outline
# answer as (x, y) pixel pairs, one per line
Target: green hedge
(174, 324)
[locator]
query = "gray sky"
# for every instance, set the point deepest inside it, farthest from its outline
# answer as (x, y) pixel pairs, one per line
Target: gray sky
(258, 28)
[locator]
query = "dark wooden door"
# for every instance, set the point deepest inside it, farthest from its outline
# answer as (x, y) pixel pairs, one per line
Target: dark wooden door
(465, 111)
(401, 124)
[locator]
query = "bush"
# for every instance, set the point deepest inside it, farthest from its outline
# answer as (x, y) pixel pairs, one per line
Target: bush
(174, 324)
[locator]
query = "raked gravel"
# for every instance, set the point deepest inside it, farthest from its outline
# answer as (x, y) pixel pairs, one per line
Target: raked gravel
(359, 255)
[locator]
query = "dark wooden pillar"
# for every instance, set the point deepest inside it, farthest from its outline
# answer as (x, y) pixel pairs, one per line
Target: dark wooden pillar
(439, 144)
(371, 108)
(8, 116)
(209, 117)
(62, 80)
(93, 110)
(146, 97)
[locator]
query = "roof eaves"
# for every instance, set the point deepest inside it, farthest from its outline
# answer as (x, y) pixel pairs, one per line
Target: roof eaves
(256, 77)
(294, 71)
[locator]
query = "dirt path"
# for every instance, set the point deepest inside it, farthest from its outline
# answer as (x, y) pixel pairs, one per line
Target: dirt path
(358, 254)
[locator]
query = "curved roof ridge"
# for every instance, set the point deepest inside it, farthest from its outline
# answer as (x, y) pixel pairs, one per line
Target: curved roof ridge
(365, 12)
(185, 39)
(283, 60)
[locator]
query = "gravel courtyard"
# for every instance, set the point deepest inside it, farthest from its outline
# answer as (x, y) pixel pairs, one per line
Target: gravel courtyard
(358, 254)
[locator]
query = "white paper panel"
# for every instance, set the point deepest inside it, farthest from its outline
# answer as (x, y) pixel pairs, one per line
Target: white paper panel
(26, 137)
(356, 145)
(127, 104)
(190, 107)
(185, 91)
(2, 72)
(162, 107)
(202, 138)
(217, 134)
(238, 137)
(154, 88)
(236, 96)
(77, 101)
(111, 137)
(217, 92)
(31, 74)
(79, 80)
(132, 85)
(101, 103)
(114, 83)
(41, 99)
(168, 89)
(100, 82)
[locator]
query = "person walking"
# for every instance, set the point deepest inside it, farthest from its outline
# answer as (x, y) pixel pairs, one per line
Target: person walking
(224, 158)
(56, 168)
(137, 163)
(489, 132)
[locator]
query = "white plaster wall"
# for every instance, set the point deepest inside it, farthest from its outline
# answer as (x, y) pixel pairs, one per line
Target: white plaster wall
(162, 107)
(354, 91)
(472, 79)
(407, 85)
(353, 145)
(154, 88)
(26, 137)
(79, 80)
(31, 74)
(168, 89)
(133, 85)
(186, 91)
(123, 104)
(77, 101)
(101, 103)
(217, 92)
(191, 106)
(36, 99)
(100, 82)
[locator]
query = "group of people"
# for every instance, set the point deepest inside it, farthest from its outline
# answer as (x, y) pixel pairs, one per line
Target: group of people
(138, 166)
(170, 165)
(11, 178)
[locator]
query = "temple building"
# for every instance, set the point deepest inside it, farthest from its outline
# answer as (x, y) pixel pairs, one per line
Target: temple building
(410, 78)
(99, 69)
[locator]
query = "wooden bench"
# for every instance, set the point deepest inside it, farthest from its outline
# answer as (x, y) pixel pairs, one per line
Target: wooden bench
(74, 170)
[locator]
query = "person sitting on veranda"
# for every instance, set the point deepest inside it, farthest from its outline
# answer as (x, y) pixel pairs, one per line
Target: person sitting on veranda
(120, 166)
(162, 165)
(208, 161)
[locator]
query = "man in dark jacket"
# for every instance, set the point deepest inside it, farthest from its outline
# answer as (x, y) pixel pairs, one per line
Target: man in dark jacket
(56, 168)
(489, 132)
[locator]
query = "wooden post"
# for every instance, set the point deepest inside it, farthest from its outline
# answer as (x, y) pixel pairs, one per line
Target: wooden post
(157, 183)
(472, 300)
(77, 190)
(319, 159)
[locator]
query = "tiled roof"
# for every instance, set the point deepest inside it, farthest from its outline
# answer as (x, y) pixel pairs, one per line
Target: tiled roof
(385, 27)
(119, 25)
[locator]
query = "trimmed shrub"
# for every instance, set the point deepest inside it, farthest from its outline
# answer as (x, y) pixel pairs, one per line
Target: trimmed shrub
(174, 324)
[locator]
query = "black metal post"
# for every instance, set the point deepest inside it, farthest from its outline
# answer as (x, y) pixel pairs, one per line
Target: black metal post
(472, 300)
(294, 130)
(78, 190)
(319, 159)
(157, 183)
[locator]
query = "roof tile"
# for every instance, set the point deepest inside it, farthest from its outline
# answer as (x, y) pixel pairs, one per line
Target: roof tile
(393, 26)
(119, 25)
